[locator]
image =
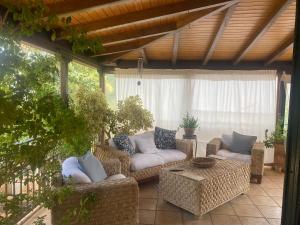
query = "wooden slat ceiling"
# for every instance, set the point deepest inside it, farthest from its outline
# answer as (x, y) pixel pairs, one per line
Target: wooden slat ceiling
(254, 30)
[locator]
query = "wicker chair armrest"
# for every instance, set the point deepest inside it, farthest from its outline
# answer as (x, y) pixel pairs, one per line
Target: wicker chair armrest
(104, 152)
(112, 166)
(186, 146)
(213, 146)
(257, 159)
(115, 200)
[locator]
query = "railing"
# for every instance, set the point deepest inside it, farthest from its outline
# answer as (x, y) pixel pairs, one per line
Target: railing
(22, 186)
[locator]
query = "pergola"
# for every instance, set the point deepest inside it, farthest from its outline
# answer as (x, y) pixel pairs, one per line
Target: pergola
(211, 34)
(174, 34)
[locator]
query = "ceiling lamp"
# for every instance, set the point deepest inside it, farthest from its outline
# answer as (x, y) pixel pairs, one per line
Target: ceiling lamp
(140, 70)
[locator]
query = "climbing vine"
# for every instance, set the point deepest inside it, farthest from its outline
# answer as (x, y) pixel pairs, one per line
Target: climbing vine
(33, 16)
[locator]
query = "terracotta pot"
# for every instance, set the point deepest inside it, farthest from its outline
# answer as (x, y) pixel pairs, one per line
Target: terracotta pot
(189, 131)
(279, 157)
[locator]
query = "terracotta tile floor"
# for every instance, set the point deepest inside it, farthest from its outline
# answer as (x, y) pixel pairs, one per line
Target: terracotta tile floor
(260, 206)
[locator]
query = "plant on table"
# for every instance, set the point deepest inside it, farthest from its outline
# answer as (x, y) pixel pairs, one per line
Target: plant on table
(189, 124)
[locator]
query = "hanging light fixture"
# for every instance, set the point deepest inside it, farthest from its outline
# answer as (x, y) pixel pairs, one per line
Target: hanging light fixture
(140, 70)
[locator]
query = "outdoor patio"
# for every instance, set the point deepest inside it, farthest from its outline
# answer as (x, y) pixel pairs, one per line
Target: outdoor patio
(260, 206)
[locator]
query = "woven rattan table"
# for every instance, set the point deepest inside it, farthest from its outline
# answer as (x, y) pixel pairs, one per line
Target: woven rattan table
(201, 190)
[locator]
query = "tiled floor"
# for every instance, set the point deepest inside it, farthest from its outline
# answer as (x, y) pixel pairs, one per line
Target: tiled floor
(260, 206)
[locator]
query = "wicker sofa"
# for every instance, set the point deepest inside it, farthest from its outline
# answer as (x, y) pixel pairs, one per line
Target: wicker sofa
(256, 158)
(116, 201)
(108, 152)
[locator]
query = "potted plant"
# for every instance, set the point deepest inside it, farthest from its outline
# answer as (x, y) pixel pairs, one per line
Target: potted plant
(189, 124)
(276, 140)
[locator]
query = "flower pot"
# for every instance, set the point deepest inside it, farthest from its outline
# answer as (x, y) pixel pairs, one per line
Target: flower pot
(189, 131)
(279, 157)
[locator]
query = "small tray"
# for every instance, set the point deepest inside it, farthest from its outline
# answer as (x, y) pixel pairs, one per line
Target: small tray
(203, 162)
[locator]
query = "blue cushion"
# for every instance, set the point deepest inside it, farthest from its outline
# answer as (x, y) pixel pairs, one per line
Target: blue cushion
(165, 139)
(123, 143)
(242, 144)
(226, 141)
(92, 167)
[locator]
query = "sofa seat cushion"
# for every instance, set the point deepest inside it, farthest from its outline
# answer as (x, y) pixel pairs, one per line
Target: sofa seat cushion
(234, 156)
(171, 155)
(141, 161)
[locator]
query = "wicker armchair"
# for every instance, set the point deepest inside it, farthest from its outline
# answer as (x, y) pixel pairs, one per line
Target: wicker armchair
(107, 152)
(257, 157)
(116, 201)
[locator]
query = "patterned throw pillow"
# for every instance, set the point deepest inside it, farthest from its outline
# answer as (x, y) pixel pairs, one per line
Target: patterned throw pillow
(165, 139)
(123, 143)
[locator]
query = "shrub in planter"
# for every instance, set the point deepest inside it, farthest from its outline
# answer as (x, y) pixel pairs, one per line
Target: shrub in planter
(276, 140)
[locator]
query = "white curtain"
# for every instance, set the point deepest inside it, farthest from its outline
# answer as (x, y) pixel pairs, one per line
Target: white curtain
(223, 101)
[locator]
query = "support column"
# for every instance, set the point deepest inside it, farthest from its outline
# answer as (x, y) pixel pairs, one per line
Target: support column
(280, 97)
(101, 78)
(64, 70)
(291, 197)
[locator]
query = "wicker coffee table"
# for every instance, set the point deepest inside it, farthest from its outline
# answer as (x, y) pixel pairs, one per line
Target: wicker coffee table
(201, 190)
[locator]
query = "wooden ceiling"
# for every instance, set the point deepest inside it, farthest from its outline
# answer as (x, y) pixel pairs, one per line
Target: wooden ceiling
(199, 30)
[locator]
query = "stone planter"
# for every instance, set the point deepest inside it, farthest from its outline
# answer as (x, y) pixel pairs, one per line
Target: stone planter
(279, 157)
(189, 131)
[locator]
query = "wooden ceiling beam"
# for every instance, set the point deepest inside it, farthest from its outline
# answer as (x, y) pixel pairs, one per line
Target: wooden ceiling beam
(259, 33)
(70, 7)
(137, 34)
(144, 56)
(127, 46)
(219, 33)
(175, 47)
(183, 23)
(287, 44)
(151, 13)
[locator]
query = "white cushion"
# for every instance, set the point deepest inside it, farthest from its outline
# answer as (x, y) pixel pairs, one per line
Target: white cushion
(132, 139)
(235, 156)
(141, 161)
(146, 144)
(171, 155)
(116, 177)
(71, 169)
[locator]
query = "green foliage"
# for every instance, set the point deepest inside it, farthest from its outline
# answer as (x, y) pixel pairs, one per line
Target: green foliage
(110, 90)
(82, 76)
(189, 121)
(31, 109)
(277, 136)
(32, 16)
(131, 117)
(92, 105)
